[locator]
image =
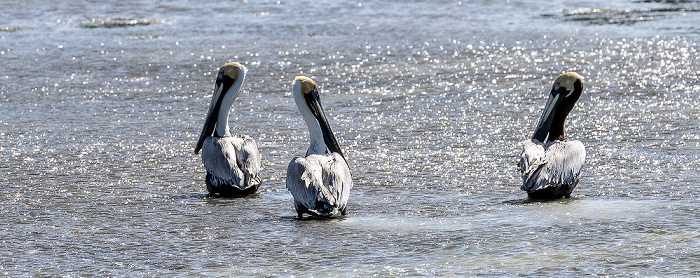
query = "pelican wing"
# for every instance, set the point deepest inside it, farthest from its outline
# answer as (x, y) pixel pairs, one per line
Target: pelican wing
(551, 164)
(232, 160)
(249, 161)
(320, 183)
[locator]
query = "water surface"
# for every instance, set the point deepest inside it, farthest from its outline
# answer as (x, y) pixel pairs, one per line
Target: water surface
(102, 104)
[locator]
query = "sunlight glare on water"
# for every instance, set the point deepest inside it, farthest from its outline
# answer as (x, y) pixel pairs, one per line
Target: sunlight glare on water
(102, 104)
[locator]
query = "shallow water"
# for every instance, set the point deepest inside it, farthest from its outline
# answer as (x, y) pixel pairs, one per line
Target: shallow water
(102, 105)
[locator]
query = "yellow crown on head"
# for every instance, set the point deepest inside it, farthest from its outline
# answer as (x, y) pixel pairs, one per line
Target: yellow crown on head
(307, 85)
(231, 69)
(567, 80)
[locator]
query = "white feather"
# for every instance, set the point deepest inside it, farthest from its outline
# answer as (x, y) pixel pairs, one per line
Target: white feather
(320, 183)
(232, 160)
(550, 165)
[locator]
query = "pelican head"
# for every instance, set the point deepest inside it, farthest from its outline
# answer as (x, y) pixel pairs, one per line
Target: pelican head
(308, 101)
(565, 92)
(228, 84)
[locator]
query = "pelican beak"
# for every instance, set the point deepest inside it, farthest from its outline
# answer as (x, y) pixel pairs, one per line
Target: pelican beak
(558, 94)
(223, 83)
(314, 103)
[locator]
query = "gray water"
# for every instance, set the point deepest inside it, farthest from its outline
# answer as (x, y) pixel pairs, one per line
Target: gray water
(101, 105)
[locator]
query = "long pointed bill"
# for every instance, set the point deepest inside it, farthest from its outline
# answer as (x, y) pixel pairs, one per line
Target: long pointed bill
(547, 117)
(314, 104)
(223, 83)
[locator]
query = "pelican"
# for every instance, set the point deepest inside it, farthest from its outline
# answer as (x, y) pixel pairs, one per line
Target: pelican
(549, 164)
(232, 162)
(320, 182)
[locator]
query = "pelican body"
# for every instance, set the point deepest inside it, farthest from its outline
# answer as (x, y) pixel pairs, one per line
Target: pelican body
(549, 164)
(232, 162)
(320, 182)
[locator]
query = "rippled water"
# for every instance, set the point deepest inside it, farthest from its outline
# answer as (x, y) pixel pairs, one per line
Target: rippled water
(102, 104)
